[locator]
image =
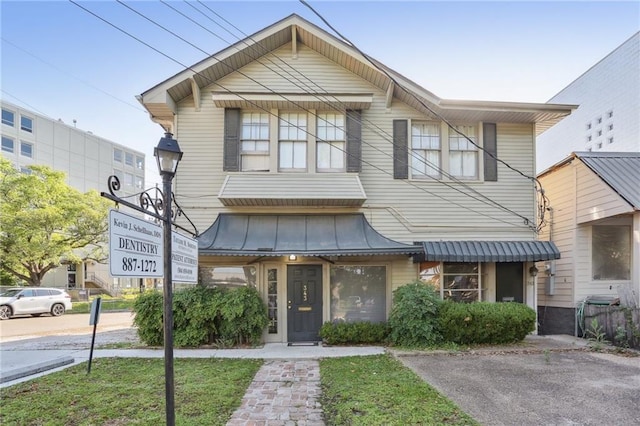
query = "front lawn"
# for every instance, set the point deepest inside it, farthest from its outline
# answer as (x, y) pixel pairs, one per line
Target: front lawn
(123, 391)
(368, 390)
(379, 390)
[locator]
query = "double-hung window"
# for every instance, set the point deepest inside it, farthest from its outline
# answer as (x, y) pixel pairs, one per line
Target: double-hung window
(8, 117)
(7, 144)
(425, 149)
(26, 124)
(117, 155)
(463, 154)
(254, 146)
(26, 149)
(292, 144)
(139, 162)
(330, 142)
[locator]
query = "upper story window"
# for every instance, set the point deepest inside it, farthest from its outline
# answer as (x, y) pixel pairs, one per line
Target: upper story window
(330, 143)
(128, 179)
(26, 149)
(128, 159)
(119, 174)
(254, 141)
(463, 152)
(425, 149)
(139, 162)
(26, 124)
(292, 144)
(117, 155)
(139, 182)
(7, 144)
(8, 117)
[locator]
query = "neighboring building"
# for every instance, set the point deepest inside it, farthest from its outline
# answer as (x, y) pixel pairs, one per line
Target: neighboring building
(328, 180)
(88, 160)
(594, 201)
(608, 118)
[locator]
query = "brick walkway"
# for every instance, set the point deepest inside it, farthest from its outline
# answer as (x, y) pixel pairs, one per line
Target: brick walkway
(283, 393)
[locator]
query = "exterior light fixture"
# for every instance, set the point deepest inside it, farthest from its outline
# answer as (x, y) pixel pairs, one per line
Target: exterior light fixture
(293, 257)
(168, 155)
(533, 271)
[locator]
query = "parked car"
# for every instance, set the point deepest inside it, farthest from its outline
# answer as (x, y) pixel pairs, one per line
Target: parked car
(34, 301)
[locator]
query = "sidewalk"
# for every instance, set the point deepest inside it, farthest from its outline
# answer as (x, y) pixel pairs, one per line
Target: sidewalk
(20, 365)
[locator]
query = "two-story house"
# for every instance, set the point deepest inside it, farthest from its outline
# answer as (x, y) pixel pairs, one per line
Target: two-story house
(327, 180)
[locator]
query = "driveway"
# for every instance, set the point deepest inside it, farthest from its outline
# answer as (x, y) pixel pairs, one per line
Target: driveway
(536, 386)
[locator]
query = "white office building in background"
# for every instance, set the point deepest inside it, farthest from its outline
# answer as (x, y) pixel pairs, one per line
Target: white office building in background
(87, 160)
(608, 116)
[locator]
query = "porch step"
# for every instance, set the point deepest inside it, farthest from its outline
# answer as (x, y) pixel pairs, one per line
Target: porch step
(302, 343)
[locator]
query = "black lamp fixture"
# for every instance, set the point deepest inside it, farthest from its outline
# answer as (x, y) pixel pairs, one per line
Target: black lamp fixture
(533, 271)
(168, 155)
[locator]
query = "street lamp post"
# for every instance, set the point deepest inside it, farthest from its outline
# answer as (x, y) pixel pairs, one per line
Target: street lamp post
(168, 156)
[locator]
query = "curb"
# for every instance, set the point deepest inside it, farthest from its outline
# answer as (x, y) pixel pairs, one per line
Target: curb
(19, 373)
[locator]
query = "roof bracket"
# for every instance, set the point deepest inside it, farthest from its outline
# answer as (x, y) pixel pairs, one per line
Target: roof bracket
(195, 89)
(294, 42)
(390, 94)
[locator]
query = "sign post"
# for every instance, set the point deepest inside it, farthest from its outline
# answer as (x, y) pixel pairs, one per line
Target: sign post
(94, 317)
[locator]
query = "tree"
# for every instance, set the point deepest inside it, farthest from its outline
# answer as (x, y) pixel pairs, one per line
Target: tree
(44, 222)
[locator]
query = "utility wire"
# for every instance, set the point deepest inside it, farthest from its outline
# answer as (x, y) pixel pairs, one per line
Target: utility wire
(71, 75)
(269, 112)
(421, 102)
(379, 131)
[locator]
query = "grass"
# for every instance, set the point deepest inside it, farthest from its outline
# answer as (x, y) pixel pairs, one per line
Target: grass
(106, 305)
(367, 390)
(379, 390)
(130, 391)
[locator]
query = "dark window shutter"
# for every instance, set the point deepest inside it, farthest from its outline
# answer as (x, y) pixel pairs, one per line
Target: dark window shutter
(231, 150)
(400, 149)
(490, 139)
(354, 141)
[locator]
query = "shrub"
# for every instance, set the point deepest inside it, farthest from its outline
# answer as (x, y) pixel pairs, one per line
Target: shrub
(361, 332)
(414, 316)
(243, 315)
(203, 316)
(485, 322)
(148, 318)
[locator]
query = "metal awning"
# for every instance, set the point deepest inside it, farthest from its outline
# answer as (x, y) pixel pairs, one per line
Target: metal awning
(299, 234)
(489, 251)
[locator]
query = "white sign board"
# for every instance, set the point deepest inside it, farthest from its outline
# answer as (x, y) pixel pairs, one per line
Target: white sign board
(136, 247)
(184, 259)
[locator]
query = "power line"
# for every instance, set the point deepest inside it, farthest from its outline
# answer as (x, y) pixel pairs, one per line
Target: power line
(269, 112)
(439, 116)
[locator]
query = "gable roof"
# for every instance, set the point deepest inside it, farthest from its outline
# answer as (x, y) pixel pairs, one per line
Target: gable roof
(161, 99)
(619, 170)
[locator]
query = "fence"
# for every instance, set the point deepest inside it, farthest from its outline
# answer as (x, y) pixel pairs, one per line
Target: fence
(620, 325)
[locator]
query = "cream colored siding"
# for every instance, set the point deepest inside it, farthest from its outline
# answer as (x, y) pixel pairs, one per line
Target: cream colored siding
(596, 199)
(405, 210)
(560, 188)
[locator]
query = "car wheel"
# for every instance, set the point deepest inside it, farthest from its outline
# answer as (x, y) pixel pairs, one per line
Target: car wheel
(57, 310)
(5, 312)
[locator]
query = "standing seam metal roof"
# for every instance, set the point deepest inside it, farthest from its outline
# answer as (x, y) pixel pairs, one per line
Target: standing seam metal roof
(619, 170)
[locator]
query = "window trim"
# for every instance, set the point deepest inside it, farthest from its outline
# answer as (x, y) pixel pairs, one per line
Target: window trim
(249, 153)
(304, 141)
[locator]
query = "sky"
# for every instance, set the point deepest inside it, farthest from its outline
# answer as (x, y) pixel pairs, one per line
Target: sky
(62, 61)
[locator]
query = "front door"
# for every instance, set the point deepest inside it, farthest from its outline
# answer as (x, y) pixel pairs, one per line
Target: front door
(304, 302)
(509, 282)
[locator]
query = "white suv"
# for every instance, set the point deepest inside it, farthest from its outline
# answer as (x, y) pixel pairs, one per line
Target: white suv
(34, 301)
